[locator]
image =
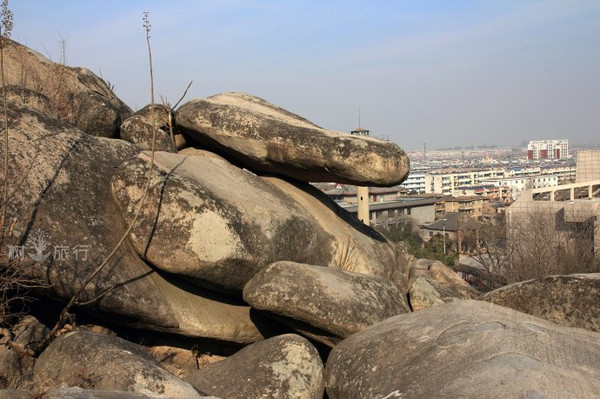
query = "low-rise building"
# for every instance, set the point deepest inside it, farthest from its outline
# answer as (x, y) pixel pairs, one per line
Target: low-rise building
(345, 194)
(471, 206)
(420, 209)
(492, 192)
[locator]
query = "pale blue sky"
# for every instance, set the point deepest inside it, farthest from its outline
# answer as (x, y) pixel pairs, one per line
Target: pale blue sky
(442, 72)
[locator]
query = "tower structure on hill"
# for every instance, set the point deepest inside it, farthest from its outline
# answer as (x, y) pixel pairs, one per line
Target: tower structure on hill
(362, 193)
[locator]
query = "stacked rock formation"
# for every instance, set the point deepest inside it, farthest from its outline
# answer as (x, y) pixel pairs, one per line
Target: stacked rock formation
(234, 248)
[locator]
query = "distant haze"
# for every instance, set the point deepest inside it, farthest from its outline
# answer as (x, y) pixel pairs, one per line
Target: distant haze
(448, 73)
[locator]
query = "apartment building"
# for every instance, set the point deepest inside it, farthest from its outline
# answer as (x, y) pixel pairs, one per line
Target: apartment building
(548, 149)
(415, 183)
(470, 206)
(446, 183)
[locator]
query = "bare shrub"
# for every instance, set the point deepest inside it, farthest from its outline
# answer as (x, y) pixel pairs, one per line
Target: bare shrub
(535, 244)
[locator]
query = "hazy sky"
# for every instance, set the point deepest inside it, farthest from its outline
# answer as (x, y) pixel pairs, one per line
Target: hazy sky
(443, 72)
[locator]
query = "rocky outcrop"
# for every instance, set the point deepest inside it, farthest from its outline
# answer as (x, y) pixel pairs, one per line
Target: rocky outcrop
(64, 223)
(286, 366)
(571, 300)
(465, 349)
(197, 226)
(332, 300)
(138, 129)
(268, 139)
(433, 283)
(18, 346)
(74, 95)
(97, 361)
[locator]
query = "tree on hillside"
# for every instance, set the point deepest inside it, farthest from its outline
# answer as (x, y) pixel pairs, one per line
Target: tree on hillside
(406, 230)
(535, 245)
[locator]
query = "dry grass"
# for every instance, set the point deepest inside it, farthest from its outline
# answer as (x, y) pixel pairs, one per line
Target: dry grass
(346, 256)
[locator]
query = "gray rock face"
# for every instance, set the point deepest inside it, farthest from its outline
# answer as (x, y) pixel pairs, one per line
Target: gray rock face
(75, 95)
(218, 225)
(286, 366)
(97, 115)
(15, 394)
(80, 393)
(572, 300)
(333, 300)
(465, 349)
(97, 361)
(16, 364)
(138, 129)
(433, 283)
(29, 98)
(63, 204)
(268, 139)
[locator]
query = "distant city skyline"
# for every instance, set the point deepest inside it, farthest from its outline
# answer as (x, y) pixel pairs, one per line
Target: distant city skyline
(449, 74)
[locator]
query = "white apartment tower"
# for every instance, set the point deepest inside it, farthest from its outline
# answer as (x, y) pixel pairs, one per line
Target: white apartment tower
(548, 149)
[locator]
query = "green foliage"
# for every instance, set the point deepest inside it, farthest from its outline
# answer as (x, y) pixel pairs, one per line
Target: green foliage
(406, 230)
(434, 249)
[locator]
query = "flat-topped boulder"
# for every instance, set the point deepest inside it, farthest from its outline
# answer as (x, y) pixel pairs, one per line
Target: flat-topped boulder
(270, 140)
(465, 349)
(570, 300)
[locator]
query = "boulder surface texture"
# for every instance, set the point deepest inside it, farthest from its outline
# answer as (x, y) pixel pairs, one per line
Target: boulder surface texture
(218, 225)
(571, 300)
(64, 223)
(97, 361)
(465, 349)
(73, 95)
(286, 366)
(333, 300)
(140, 127)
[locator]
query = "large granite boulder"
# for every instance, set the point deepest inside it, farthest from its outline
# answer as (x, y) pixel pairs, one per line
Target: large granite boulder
(138, 129)
(570, 300)
(286, 366)
(218, 225)
(75, 95)
(332, 300)
(465, 349)
(268, 139)
(64, 223)
(97, 361)
(433, 283)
